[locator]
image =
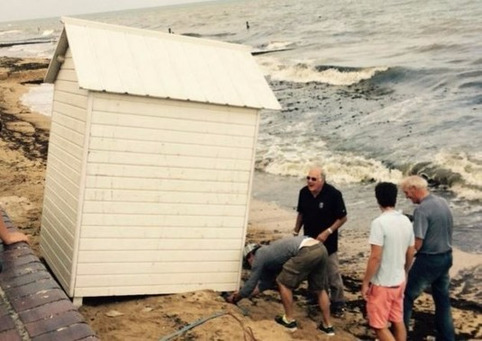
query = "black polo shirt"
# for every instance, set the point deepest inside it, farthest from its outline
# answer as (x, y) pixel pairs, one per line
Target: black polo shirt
(320, 212)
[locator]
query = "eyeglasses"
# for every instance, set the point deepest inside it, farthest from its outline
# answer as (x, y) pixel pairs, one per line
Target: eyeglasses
(308, 178)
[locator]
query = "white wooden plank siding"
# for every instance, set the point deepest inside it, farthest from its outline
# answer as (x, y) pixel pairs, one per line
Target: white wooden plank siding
(180, 256)
(151, 160)
(63, 175)
(164, 231)
(120, 289)
(158, 220)
(119, 268)
(173, 196)
(167, 184)
(157, 279)
(161, 185)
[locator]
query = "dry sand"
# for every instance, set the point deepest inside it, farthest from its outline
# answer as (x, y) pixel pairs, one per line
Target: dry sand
(23, 147)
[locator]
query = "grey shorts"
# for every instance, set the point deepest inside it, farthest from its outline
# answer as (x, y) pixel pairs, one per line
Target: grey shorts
(309, 263)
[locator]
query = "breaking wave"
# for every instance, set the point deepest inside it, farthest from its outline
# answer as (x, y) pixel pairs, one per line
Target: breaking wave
(328, 74)
(47, 32)
(449, 171)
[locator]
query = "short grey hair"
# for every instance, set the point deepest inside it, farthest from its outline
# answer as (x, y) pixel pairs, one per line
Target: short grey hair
(319, 168)
(415, 181)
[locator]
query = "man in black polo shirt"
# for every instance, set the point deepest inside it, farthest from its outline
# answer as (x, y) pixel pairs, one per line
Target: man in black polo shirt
(321, 212)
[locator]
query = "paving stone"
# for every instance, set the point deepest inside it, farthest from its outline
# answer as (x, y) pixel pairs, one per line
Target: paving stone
(46, 311)
(31, 288)
(8, 274)
(10, 335)
(3, 309)
(18, 262)
(6, 323)
(16, 251)
(53, 324)
(73, 332)
(32, 304)
(27, 279)
(38, 299)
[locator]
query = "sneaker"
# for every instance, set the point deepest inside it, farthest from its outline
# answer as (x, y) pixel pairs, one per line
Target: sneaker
(327, 330)
(292, 326)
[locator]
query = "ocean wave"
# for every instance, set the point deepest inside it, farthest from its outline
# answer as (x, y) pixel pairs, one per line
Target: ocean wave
(276, 45)
(435, 175)
(478, 61)
(39, 99)
(47, 32)
(446, 173)
(469, 74)
(214, 35)
(468, 168)
(26, 42)
(459, 173)
(395, 74)
(407, 77)
(194, 35)
(345, 167)
(438, 47)
(327, 74)
(476, 85)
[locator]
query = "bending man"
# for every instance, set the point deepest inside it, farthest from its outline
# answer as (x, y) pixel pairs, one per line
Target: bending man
(288, 262)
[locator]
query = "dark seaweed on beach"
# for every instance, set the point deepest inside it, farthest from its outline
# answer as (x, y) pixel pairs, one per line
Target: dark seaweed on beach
(15, 64)
(34, 146)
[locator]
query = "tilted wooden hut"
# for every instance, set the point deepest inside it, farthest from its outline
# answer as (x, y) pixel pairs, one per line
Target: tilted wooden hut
(150, 162)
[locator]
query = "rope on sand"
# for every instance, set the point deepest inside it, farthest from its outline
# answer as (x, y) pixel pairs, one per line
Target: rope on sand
(248, 332)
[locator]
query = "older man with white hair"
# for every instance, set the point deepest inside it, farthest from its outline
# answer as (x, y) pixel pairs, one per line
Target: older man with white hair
(433, 226)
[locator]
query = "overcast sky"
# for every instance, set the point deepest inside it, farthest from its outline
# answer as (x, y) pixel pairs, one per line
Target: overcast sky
(11, 10)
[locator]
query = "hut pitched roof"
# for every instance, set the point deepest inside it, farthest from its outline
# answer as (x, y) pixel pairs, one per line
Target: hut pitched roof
(128, 60)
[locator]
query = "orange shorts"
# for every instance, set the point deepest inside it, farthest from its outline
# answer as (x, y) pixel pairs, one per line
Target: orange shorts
(384, 304)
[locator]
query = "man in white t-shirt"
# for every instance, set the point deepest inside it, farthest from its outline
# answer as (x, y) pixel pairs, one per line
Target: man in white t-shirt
(392, 249)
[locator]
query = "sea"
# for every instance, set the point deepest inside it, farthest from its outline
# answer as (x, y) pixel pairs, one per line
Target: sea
(370, 90)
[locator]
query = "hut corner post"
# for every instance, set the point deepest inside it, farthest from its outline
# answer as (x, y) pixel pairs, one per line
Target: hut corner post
(77, 301)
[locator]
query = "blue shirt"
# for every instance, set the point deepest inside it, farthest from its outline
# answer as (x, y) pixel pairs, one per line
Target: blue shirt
(433, 222)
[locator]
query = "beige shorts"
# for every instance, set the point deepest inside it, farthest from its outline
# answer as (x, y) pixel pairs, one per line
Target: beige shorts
(309, 263)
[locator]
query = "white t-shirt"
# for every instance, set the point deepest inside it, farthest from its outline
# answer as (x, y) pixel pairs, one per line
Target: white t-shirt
(394, 232)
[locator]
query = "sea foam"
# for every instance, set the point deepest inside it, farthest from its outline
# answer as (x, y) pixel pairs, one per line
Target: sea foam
(305, 72)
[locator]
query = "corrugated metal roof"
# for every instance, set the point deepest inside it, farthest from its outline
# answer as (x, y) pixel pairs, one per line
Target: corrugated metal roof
(140, 62)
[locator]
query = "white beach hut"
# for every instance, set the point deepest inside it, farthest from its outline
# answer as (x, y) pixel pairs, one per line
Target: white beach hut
(150, 162)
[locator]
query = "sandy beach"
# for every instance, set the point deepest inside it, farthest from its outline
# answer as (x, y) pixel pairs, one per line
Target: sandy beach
(23, 157)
